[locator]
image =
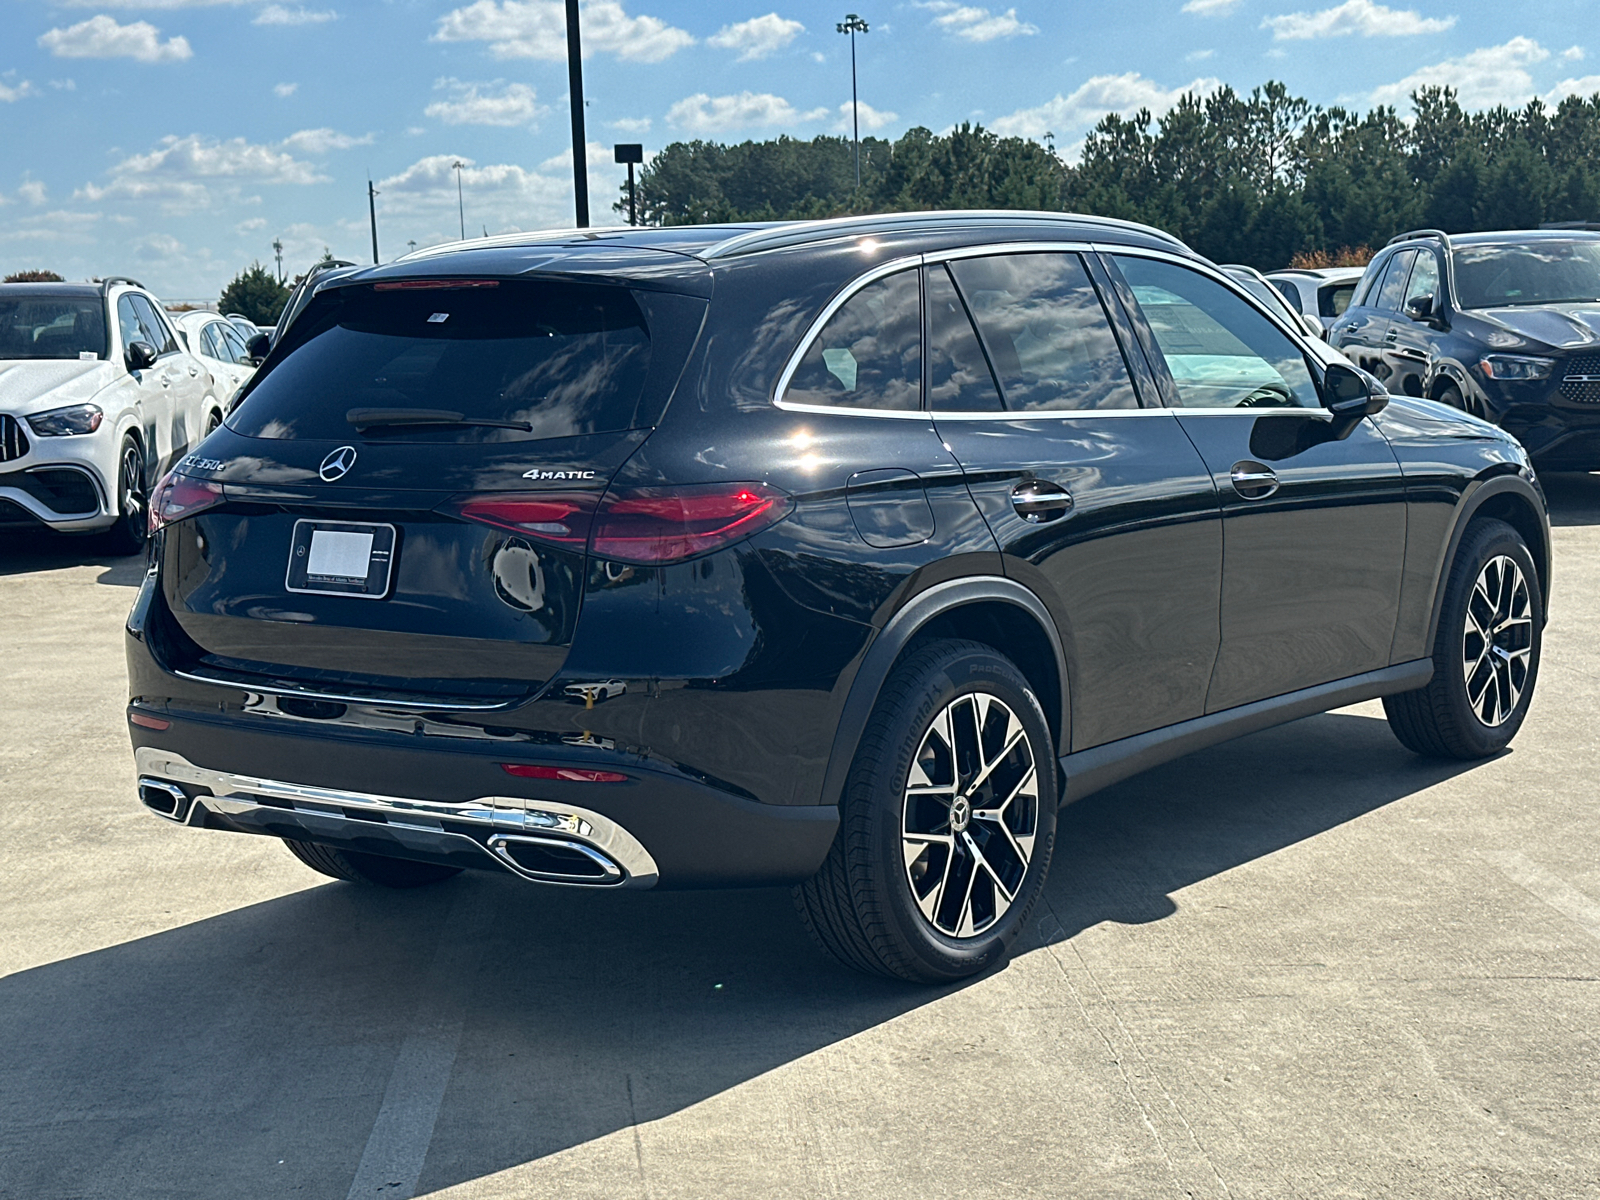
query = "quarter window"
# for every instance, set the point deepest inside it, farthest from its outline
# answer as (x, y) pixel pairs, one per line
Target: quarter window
(1046, 332)
(1222, 352)
(869, 354)
(959, 379)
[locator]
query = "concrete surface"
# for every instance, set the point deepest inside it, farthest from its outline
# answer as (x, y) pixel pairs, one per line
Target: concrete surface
(1304, 964)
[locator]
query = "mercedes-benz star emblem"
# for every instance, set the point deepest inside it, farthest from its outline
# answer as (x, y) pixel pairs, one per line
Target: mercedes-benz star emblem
(337, 465)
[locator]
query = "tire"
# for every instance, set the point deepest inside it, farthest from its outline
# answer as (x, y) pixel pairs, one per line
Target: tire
(1452, 396)
(128, 535)
(213, 421)
(378, 870)
(1472, 710)
(863, 906)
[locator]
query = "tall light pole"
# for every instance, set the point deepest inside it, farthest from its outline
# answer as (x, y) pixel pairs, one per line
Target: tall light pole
(852, 25)
(580, 166)
(372, 211)
(277, 249)
(461, 207)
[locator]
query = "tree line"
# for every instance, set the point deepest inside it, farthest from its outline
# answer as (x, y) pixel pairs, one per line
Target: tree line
(1265, 179)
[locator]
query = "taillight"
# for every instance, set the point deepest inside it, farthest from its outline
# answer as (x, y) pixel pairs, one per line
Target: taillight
(647, 526)
(568, 774)
(179, 496)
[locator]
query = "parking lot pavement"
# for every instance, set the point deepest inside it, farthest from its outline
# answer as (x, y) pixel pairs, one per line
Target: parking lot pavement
(1307, 963)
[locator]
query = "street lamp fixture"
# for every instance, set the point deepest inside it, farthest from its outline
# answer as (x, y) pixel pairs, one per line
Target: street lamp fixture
(460, 204)
(853, 25)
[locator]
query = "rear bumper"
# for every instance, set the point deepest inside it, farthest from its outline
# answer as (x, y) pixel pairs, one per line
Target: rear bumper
(455, 805)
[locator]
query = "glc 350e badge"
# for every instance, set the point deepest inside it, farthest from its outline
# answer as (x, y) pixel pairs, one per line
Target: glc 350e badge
(538, 473)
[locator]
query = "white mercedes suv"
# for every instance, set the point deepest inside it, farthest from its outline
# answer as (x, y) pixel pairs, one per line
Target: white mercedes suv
(98, 397)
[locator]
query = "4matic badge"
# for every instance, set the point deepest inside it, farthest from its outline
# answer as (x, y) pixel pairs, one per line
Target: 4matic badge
(537, 473)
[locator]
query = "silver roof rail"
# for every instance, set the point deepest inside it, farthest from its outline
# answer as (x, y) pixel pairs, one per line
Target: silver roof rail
(1415, 234)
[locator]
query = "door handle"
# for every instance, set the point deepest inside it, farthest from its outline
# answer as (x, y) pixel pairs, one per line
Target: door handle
(1039, 500)
(1253, 480)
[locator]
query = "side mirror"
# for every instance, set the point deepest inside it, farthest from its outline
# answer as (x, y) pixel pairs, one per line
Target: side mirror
(1351, 395)
(1420, 308)
(258, 347)
(139, 356)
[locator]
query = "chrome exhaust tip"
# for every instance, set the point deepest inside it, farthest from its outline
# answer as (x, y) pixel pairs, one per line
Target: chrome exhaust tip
(165, 800)
(556, 860)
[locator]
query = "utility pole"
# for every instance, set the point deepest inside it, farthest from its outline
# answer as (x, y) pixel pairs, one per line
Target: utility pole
(580, 167)
(852, 25)
(277, 249)
(372, 212)
(630, 153)
(411, 245)
(460, 204)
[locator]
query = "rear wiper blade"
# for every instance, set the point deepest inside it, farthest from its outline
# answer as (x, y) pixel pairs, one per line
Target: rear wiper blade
(374, 418)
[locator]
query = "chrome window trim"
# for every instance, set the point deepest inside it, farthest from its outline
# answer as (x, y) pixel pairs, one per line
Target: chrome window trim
(1051, 414)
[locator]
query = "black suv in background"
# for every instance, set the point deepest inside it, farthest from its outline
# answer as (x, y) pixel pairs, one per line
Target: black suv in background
(1503, 325)
(836, 554)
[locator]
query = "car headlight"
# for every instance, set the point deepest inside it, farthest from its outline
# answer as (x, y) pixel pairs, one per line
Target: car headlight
(1517, 366)
(62, 422)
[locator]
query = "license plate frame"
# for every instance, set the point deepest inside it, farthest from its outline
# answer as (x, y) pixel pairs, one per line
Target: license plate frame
(380, 559)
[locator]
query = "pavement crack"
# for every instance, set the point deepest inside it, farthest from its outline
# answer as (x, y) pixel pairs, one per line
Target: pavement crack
(638, 1142)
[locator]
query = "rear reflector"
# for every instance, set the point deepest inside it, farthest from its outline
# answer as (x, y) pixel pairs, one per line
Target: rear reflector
(148, 721)
(647, 526)
(179, 496)
(569, 774)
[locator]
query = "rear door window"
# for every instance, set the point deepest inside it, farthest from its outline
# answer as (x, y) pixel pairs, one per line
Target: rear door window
(553, 359)
(1332, 301)
(1045, 331)
(1424, 279)
(1394, 281)
(156, 330)
(869, 354)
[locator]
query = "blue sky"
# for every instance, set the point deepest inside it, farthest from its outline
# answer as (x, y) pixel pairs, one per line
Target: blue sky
(173, 140)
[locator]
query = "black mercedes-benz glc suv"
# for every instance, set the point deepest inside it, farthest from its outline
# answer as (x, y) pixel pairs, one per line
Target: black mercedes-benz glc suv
(1503, 325)
(835, 554)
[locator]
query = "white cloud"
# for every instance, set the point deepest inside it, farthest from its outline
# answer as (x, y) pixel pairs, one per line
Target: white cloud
(630, 125)
(703, 114)
(32, 191)
(284, 90)
(102, 37)
(64, 85)
(180, 172)
(514, 104)
(321, 141)
(16, 91)
(1583, 88)
(1573, 54)
(538, 29)
(757, 37)
(250, 226)
(974, 24)
(278, 14)
(146, 5)
(57, 227)
(1210, 8)
(872, 119)
(503, 197)
(1354, 17)
(1102, 94)
(1198, 55)
(1483, 78)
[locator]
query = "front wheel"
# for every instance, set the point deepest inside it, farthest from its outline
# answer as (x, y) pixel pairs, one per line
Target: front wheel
(377, 869)
(128, 535)
(1485, 655)
(947, 822)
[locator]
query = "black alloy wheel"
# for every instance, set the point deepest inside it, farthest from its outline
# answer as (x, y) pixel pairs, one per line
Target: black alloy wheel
(1485, 655)
(947, 824)
(128, 535)
(213, 423)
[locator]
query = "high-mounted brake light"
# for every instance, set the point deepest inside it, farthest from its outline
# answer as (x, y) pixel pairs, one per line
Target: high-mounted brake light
(566, 774)
(432, 285)
(179, 496)
(644, 526)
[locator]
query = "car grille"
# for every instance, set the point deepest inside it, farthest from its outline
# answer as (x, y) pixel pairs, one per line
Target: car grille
(13, 442)
(1581, 381)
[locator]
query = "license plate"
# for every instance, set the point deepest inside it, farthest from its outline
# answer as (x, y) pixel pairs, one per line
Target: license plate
(341, 558)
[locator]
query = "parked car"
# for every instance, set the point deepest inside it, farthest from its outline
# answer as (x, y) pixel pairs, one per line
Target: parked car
(246, 327)
(552, 558)
(1254, 282)
(97, 398)
(219, 344)
(1503, 325)
(1321, 294)
(299, 296)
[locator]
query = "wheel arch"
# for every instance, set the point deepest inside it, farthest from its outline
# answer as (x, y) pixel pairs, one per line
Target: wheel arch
(996, 611)
(1512, 499)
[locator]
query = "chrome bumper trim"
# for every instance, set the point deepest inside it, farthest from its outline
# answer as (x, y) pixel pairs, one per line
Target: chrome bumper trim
(232, 794)
(374, 700)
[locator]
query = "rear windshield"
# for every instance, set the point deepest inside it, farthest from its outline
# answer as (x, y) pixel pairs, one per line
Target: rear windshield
(52, 327)
(544, 360)
(1538, 273)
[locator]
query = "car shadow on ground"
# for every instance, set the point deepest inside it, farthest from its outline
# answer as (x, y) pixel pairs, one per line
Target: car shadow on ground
(25, 553)
(1574, 497)
(580, 1013)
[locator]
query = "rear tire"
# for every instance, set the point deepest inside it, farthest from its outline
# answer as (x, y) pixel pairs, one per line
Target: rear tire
(925, 882)
(128, 535)
(1485, 655)
(378, 870)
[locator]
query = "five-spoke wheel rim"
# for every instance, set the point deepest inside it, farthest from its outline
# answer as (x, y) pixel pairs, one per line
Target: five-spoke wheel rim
(970, 815)
(1497, 641)
(130, 485)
